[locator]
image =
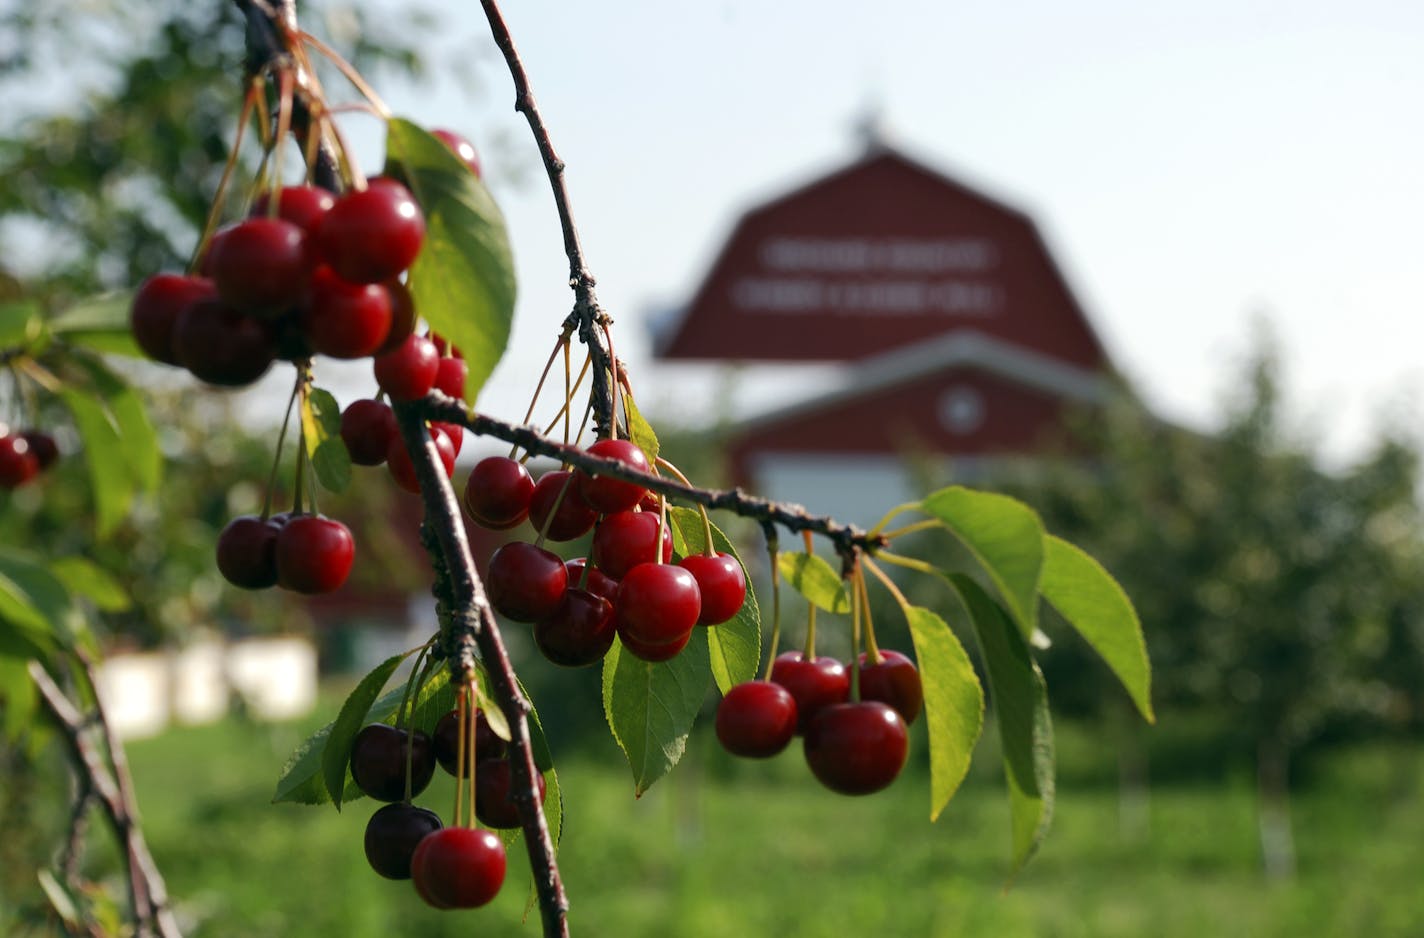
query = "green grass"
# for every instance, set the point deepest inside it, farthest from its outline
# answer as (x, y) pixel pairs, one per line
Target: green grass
(725, 848)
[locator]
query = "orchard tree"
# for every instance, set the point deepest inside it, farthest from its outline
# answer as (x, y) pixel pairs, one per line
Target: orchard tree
(307, 257)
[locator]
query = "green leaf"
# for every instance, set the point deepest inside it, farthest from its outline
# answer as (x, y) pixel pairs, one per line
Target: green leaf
(1006, 538)
(337, 753)
(639, 430)
(109, 476)
(463, 280)
(734, 646)
(100, 323)
(20, 324)
(814, 579)
(138, 438)
(321, 429)
(954, 703)
(1095, 605)
(302, 780)
(61, 900)
(19, 696)
(86, 578)
(650, 707)
(1020, 700)
(36, 603)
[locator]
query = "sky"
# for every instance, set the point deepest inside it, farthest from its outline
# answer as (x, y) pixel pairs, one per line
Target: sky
(1194, 169)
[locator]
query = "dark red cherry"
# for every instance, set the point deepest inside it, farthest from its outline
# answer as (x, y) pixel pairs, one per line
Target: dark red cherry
(856, 748)
(657, 604)
(649, 651)
(526, 583)
(345, 320)
(408, 372)
(261, 266)
(756, 719)
(314, 554)
(247, 552)
(604, 494)
(497, 492)
(722, 583)
(42, 447)
(303, 206)
(454, 431)
(572, 518)
(378, 761)
(446, 741)
(627, 538)
(155, 310)
(451, 379)
(222, 346)
(458, 867)
(402, 468)
(814, 683)
(367, 429)
(463, 148)
(893, 680)
(596, 581)
(372, 234)
(392, 835)
(494, 803)
(17, 464)
(579, 632)
(402, 316)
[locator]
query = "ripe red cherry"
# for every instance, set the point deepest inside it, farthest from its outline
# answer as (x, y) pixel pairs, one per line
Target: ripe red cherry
(497, 492)
(494, 802)
(303, 206)
(815, 683)
(756, 719)
(893, 681)
(222, 346)
(572, 518)
(627, 538)
(408, 372)
(247, 552)
(402, 467)
(155, 309)
(446, 742)
(17, 464)
(372, 234)
(579, 632)
(392, 835)
(261, 266)
(345, 320)
(657, 604)
(445, 348)
(526, 583)
(606, 495)
(596, 582)
(458, 867)
(314, 554)
(463, 148)
(856, 748)
(42, 447)
(402, 316)
(367, 428)
(453, 431)
(722, 583)
(649, 651)
(378, 761)
(451, 379)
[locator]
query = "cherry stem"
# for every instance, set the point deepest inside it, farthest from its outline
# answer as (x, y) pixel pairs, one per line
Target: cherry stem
(346, 69)
(708, 550)
(285, 81)
(569, 393)
(462, 725)
(872, 650)
(889, 584)
(771, 551)
(857, 610)
(892, 514)
(563, 343)
(472, 711)
(406, 720)
(281, 439)
(810, 650)
(249, 101)
(910, 563)
(928, 524)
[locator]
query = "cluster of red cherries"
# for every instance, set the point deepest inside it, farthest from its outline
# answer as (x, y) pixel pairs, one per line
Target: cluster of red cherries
(24, 455)
(626, 588)
(855, 747)
(452, 867)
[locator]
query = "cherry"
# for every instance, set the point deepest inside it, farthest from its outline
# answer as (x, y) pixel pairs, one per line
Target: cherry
(402, 468)
(42, 447)
(856, 748)
(494, 802)
(497, 492)
(371, 234)
(458, 867)
(292, 345)
(247, 552)
(445, 348)
(261, 266)
(628, 538)
(657, 604)
(607, 495)
(894, 681)
(596, 582)
(756, 719)
(463, 148)
(722, 583)
(408, 372)
(526, 583)
(345, 320)
(402, 316)
(579, 632)
(18, 464)
(451, 378)
(573, 517)
(303, 206)
(222, 346)
(814, 682)
(454, 431)
(378, 761)
(649, 651)
(314, 554)
(155, 309)
(367, 429)
(446, 741)
(392, 835)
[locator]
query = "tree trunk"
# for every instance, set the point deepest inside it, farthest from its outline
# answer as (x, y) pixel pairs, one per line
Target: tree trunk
(1273, 808)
